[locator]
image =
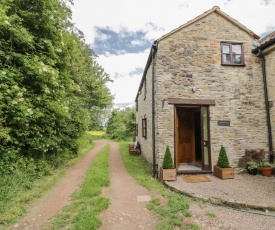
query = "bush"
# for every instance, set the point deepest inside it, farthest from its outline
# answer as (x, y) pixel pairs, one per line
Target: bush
(223, 160)
(167, 161)
(251, 155)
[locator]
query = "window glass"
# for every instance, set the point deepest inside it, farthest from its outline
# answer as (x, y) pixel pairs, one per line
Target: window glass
(225, 49)
(226, 58)
(232, 54)
(236, 49)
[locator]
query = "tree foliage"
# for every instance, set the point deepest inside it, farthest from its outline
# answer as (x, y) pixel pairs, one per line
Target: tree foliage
(167, 160)
(121, 124)
(223, 159)
(50, 82)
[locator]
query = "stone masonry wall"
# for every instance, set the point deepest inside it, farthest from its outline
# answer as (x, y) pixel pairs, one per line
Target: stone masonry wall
(145, 110)
(270, 72)
(237, 90)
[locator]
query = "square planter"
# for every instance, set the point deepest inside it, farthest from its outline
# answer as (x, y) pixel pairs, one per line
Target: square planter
(168, 174)
(223, 173)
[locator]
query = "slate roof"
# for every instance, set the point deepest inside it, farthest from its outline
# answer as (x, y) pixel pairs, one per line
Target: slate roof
(267, 38)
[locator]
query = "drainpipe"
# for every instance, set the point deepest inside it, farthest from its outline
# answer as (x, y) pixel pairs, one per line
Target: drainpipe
(267, 105)
(154, 48)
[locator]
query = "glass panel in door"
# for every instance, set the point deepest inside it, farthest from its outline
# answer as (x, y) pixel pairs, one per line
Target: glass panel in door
(205, 139)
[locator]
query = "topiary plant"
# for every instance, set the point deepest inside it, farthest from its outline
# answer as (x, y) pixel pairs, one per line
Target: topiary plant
(167, 161)
(223, 160)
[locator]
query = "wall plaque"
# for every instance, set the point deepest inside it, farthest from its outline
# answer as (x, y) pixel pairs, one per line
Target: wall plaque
(224, 123)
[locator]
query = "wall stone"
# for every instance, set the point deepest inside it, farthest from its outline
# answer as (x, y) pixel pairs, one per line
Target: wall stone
(191, 58)
(270, 72)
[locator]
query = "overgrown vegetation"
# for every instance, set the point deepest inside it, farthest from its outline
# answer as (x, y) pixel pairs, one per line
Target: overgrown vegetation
(122, 124)
(50, 85)
(171, 214)
(28, 182)
(87, 202)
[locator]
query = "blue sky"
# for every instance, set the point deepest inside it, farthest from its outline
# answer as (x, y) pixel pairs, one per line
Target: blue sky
(121, 32)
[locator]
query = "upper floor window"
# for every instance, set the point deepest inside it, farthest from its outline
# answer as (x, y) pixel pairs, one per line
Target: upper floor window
(232, 53)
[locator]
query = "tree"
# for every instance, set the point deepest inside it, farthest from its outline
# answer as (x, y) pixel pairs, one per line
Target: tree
(121, 124)
(50, 80)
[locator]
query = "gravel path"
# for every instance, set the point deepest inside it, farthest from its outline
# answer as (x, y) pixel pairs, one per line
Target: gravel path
(243, 190)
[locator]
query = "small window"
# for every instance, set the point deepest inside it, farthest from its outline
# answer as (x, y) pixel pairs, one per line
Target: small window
(145, 88)
(136, 130)
(232, 54)
(144, 128)
(136, 105)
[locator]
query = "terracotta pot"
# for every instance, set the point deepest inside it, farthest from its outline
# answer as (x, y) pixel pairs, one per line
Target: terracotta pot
(266, 171)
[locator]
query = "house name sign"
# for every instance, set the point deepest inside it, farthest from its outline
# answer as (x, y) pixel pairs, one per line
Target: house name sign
(223, 123)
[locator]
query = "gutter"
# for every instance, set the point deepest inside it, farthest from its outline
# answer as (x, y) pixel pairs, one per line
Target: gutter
(151, 59)
(154, 49)
(258, 51)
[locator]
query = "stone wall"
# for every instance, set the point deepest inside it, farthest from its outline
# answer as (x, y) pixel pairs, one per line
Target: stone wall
(238, 90)
(145, 110)
(270, 72)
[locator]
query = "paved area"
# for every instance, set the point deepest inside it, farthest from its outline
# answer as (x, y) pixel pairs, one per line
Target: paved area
(244, 191)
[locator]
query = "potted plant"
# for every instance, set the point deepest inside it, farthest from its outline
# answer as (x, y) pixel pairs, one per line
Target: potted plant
(251, 157)
(265, 168)
(167, 171)
(223, 169)
(252, 168)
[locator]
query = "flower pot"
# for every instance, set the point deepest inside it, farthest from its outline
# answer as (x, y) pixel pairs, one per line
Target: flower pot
(266, 171)
(251, 171)
(223, 173)
(168, 174)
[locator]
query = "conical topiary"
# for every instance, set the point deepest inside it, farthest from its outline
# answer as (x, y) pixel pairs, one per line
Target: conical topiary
(223, 160)
(167, 161)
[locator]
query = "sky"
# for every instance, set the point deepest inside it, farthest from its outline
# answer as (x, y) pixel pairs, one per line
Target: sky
(121, 32)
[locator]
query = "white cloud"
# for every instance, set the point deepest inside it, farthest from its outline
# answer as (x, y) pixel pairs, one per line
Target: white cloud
(156, 18)
(124, 63)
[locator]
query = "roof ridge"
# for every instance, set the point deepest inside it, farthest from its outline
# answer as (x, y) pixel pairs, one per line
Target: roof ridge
(213, 9)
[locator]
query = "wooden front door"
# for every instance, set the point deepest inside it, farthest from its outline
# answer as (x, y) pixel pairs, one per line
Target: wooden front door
(185, 136)
(192, 136)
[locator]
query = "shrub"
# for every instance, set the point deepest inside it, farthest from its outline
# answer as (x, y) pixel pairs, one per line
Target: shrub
(251, 155)
(167, 161)
(223, 160)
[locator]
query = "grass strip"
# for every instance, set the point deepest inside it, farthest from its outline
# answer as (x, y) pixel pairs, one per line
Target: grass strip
(23, 191)
(87, 203)
(171, 214)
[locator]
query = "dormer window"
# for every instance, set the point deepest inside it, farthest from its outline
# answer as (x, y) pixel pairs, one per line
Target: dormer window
(232, 53)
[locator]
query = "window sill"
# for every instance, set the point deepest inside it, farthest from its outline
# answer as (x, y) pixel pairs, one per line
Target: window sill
(224, 64)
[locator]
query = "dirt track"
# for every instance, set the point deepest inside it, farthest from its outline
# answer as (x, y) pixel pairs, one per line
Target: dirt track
(128, 199)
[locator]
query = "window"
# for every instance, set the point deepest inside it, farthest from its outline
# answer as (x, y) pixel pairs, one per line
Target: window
(145, 88)
(232, 54)
(136, 130)
(144, 128)
(136, 105)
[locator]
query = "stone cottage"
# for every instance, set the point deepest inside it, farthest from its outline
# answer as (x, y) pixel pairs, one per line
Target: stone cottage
(203, 87)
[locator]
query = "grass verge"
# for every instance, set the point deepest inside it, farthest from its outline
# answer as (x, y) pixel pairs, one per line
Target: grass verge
(172, 214)
(20, 190)
(87, 203)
